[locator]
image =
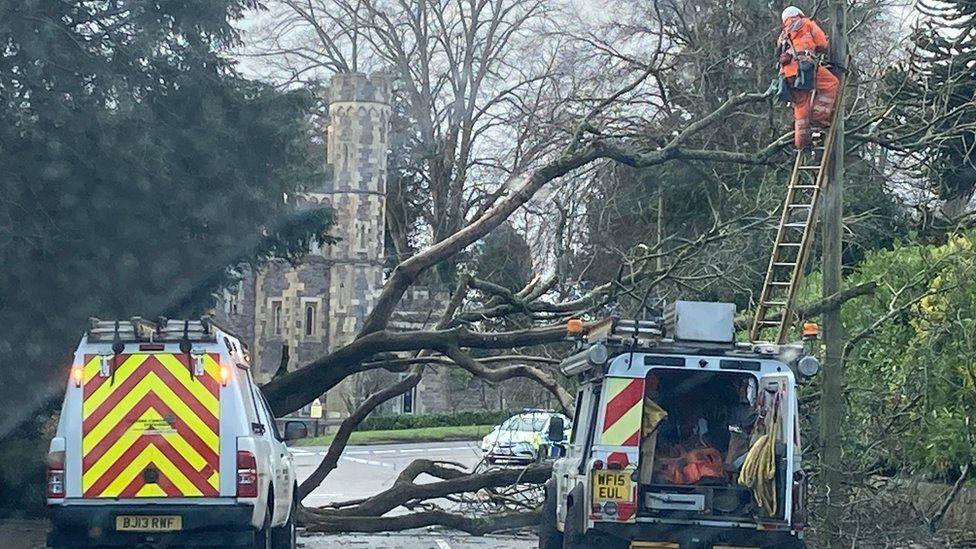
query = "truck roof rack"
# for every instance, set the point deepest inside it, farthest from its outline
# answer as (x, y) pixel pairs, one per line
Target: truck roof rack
(615, 327)
(139, 329)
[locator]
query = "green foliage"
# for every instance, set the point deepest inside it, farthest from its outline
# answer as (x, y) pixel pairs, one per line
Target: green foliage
(417, 421)
(911, 379)
(136, 167)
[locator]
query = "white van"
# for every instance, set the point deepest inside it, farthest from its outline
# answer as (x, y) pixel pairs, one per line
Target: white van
(673, 420)
(164, 439)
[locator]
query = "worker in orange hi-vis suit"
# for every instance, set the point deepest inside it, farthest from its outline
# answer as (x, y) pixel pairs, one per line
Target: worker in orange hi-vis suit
(812, 87)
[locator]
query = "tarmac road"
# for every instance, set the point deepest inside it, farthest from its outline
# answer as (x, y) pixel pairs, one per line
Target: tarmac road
(366, 470)
(362, 471)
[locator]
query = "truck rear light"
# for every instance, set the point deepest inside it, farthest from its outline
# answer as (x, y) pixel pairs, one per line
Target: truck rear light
(610, 508)
(598, 464)
(247, 475)
(596, 508)
(55, 475)
(224, 375)
(77, 373)
(615, 465)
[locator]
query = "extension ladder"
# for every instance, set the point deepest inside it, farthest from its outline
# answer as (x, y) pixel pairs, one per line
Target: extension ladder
(793, 239)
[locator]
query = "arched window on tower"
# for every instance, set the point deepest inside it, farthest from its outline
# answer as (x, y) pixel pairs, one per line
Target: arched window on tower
(361, 234)
(311, 315)
(276, 317)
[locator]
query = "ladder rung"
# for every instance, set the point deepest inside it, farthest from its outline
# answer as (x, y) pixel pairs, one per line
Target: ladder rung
(774, 303)
(784, 264)
(795, 225)
(769, 322)
(790, 244)
(806, 187)
(774, 283)
(811, 167)
(800, 205)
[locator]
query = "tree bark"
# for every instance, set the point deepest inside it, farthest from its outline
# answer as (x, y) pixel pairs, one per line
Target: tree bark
(478, 526)
(331, 459)
(405, 489)
(295, 389)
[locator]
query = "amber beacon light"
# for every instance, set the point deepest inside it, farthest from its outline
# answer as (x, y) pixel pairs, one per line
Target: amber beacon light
(574, 326)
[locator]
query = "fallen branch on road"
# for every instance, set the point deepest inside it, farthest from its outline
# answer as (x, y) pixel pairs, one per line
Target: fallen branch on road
(477, 526)
(367, 515)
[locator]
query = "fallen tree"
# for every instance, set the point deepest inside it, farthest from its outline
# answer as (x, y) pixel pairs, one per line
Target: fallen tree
(369, 514)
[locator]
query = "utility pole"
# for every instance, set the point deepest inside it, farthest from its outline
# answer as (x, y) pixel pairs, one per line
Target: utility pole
(832, 404)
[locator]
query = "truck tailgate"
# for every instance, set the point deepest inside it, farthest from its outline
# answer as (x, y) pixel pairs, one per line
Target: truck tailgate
(151, 425)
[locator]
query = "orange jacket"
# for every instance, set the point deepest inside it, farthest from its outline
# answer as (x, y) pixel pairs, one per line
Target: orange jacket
(801, 36)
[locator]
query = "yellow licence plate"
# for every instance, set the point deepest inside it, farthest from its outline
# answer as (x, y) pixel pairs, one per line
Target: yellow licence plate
(148, 523)
(611, 486)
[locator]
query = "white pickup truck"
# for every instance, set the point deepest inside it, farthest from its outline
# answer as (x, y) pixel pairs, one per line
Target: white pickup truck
(164, 439)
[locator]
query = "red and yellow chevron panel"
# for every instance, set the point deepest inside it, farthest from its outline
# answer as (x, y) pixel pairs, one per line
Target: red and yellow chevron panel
(151, 429)
(622, 417)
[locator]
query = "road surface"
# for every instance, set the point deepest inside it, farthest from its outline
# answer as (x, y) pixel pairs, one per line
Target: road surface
(365, 470)
(362, 471)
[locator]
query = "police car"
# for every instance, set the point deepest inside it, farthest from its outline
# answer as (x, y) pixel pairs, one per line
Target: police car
(522, 438)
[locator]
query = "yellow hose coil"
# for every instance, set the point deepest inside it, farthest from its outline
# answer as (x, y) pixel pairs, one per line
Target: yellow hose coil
(759, 472)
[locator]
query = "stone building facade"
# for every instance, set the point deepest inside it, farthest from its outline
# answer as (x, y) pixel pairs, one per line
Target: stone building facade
(320, 304)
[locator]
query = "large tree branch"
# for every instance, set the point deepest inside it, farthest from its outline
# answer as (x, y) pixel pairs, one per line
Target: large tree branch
(476, 526)
(819, 307)
(405, 489)
(503, 373)
(331, 458)
(295, 389)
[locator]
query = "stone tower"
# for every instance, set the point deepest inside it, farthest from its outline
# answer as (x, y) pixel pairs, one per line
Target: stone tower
(358, 139)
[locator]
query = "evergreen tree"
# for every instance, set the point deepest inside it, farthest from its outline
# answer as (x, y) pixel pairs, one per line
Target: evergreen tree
(136, 165)
(936, 91)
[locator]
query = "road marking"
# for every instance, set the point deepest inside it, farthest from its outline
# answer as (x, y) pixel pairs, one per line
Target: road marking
(301, 452)
(442, 544)
(368, 462)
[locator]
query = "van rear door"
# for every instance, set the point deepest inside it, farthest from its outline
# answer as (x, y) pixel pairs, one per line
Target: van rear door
(151, 425)
(779, 398)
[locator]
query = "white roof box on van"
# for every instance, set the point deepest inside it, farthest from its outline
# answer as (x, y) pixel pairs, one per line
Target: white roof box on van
(701, 321)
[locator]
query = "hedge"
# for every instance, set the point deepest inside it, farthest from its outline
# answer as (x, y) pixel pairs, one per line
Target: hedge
(416, 421)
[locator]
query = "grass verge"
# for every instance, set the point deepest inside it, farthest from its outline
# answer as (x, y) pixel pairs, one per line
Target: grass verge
(425, 434)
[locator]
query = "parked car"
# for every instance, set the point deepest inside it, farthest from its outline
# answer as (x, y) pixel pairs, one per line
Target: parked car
(522, 438)
(164, 439)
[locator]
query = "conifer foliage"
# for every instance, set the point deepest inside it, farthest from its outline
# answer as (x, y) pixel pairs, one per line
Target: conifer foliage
(135, 164)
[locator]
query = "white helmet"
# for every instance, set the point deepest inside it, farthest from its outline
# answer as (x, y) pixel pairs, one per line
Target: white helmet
(791, 11)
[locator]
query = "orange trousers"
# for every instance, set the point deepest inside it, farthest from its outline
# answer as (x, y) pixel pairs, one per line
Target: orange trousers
(813, 108)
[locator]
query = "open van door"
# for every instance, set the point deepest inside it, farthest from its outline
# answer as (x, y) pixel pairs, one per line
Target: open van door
(777, 394)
